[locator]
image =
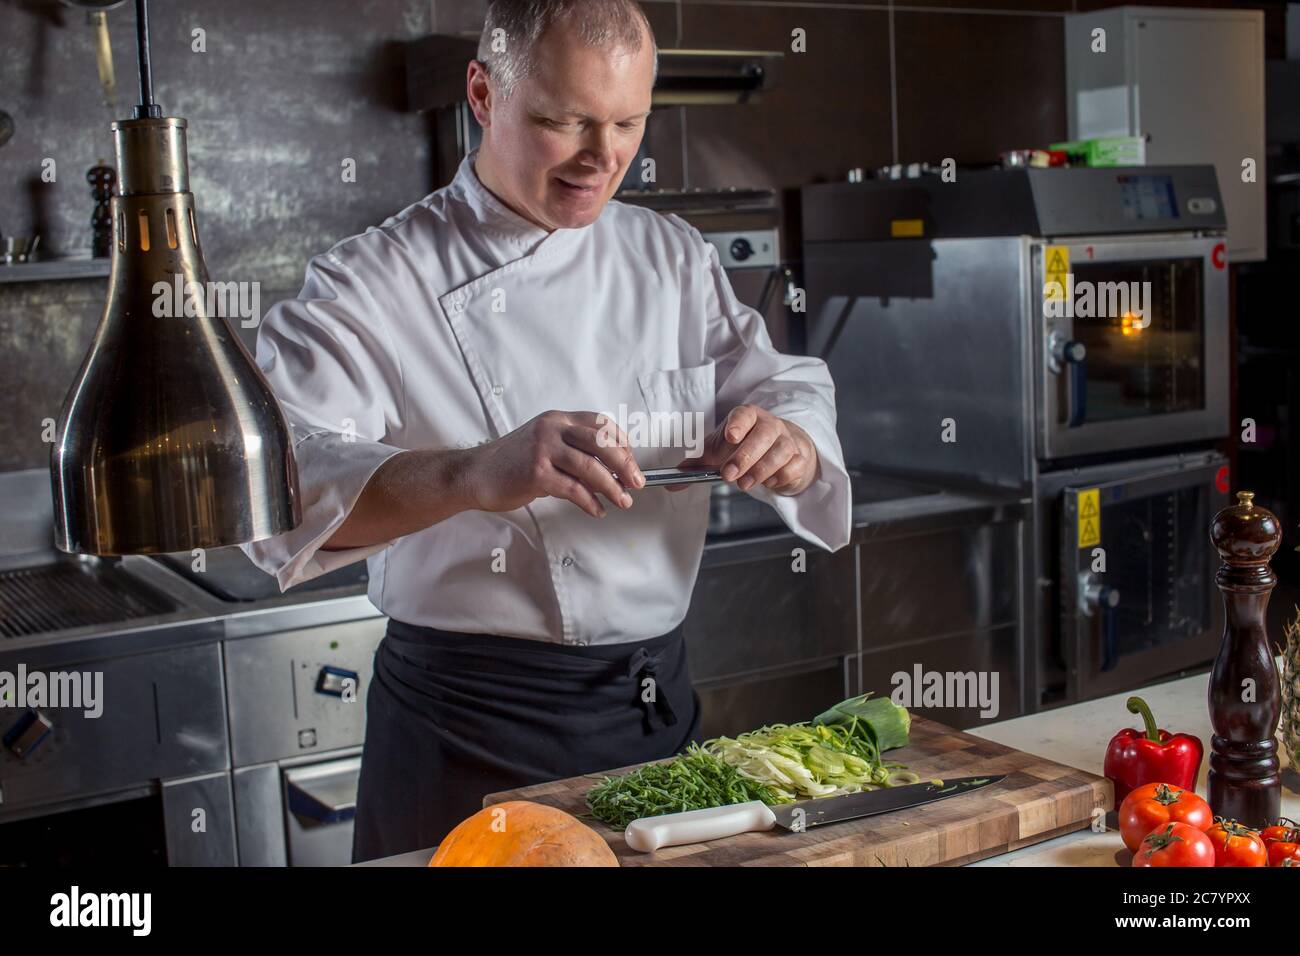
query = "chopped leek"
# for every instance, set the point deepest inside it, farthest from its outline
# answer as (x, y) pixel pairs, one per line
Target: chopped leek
(838, 752)
(887, 722)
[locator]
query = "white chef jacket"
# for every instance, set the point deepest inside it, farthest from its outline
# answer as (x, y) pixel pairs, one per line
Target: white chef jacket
(457, 321)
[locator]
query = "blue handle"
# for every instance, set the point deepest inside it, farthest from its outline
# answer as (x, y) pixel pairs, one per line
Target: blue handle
(1078, 388)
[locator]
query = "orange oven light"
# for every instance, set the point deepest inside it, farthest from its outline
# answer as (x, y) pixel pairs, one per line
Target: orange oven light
(1130, 324)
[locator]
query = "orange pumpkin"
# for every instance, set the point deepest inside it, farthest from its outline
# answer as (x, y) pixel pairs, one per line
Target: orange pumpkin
(521, 833)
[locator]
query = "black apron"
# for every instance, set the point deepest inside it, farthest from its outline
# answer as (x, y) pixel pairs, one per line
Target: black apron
(453, 717)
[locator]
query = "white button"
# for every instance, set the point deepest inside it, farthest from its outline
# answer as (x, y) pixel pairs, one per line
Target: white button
(567, 562)
(498, 389)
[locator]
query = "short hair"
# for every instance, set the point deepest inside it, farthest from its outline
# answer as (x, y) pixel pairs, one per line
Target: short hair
(600, 23)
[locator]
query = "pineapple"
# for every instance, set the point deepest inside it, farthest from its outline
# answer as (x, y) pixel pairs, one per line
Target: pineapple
(1290, 722)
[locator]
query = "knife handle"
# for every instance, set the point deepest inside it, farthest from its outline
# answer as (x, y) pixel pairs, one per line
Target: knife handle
(698, 826)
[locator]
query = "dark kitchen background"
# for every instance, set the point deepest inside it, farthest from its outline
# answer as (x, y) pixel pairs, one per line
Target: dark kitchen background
(955, 577)
(286, 91)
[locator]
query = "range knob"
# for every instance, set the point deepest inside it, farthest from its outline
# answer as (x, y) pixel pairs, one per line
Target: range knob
(28, 733)
(741, 249)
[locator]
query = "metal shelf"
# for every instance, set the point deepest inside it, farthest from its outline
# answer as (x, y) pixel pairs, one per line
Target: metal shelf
(49, 270)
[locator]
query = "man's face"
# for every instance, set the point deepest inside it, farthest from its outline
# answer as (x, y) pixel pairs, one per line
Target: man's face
(558, 148)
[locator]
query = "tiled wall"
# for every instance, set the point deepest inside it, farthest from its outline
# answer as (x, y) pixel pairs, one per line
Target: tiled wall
(285, 92)
(287, 89)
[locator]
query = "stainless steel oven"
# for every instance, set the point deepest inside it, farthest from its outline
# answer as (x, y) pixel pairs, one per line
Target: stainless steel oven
(1134, 599)
(1051, 314)
(1062, 333)
(132, 775)
(1131, 342)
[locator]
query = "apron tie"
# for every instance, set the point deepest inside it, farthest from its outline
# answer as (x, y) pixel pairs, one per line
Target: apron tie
(644, 664)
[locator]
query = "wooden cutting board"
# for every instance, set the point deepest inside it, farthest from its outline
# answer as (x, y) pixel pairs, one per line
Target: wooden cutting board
(1038, 800)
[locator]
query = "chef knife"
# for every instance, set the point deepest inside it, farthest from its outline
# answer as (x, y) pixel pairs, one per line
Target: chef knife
(677, 476)
(699, 826)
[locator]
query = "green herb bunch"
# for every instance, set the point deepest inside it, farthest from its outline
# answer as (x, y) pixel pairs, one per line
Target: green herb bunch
(693, 781)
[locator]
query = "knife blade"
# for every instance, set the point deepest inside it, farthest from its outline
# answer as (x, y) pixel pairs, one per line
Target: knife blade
(814, 813)
(715, 823)
(678, 476)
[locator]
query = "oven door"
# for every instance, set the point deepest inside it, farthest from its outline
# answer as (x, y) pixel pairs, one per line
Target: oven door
(1132, 343)
(1136, 576)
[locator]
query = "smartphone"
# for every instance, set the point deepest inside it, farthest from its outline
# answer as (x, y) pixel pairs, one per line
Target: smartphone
(677, 476)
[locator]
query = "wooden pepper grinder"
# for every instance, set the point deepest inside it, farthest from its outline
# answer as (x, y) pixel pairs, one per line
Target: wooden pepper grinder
(1245, 696)
(101, 179)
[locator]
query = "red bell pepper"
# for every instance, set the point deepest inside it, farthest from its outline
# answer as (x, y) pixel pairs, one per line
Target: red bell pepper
(1135, 757)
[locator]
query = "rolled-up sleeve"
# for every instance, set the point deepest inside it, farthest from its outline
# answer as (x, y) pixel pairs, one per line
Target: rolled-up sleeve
(328, 358)
(798, 388)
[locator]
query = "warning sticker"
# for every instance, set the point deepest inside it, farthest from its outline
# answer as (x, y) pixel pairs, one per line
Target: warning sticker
(1056, 269)
(1089, 508)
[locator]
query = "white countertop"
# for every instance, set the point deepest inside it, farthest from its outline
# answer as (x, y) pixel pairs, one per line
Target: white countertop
(1077, 736)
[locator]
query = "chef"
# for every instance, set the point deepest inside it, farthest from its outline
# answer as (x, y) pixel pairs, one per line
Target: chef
(464, 384)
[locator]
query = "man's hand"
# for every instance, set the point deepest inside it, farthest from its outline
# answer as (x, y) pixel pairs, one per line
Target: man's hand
(752, 446)
(558, 454)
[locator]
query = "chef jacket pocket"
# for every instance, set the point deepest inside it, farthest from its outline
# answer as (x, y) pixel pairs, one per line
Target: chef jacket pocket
(679, 415)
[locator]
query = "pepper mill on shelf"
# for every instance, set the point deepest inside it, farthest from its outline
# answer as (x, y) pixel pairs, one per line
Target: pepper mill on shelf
(1245, 695)
(101, 179)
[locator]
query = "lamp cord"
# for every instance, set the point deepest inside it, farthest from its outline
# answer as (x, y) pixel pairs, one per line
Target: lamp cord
(147, 107)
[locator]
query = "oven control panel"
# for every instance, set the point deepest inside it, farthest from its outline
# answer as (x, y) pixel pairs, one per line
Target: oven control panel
(300, 692)
(750, 249)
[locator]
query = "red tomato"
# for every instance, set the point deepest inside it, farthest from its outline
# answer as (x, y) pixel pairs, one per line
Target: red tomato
(1236, 845)
(1284, 831)
(1280, 852)
(1178, 844)
(1283, 842)
(1152, 805)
